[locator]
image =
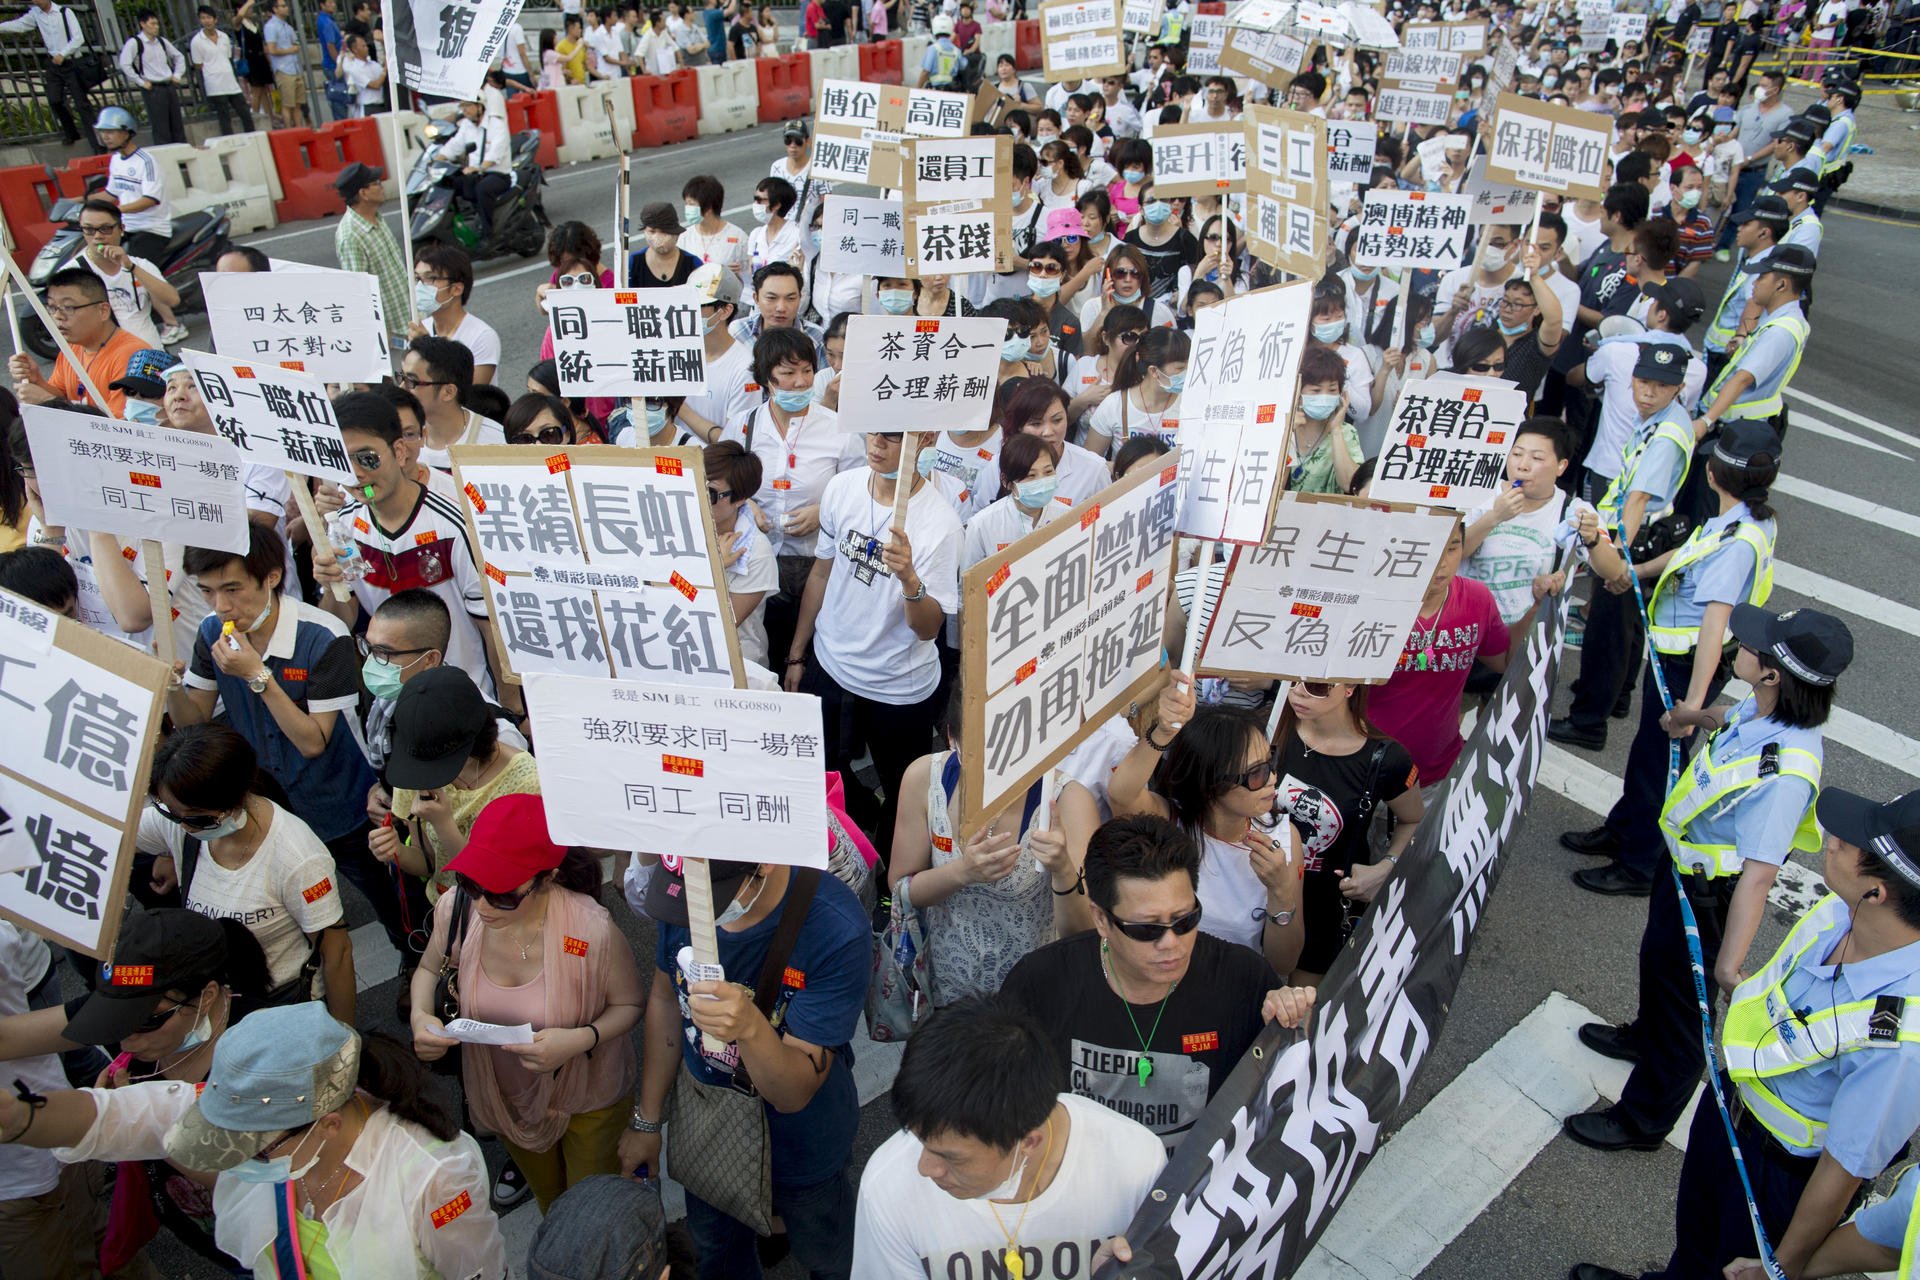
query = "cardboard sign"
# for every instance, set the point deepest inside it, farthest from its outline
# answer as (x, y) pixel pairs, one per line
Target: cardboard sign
(1448, 441)
(327, 325)
(1497, 203)
(1081, 39)
(1059, 632)
(1401, 229)
(1549, 148)
(1199, 159)
(1350, 151)
(1425, 69)
(84, 712)
(929, 374)
(1206, 38)
(1141, 17)
(1287, 189)
(1330, 594)
(276, 417)
(863, 237)
(136, 480)
(628, 342)
(1395, 105)
(707, 773)
(958, 204)
(1272, 58)
(600, 561)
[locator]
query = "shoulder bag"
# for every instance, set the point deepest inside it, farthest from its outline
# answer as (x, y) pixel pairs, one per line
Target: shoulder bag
(88, 65)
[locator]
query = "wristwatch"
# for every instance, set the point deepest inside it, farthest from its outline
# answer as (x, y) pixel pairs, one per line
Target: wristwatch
(640, 1124)
(260, 682)
(1281, 918)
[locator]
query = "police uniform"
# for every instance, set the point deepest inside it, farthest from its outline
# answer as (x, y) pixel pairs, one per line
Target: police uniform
(1747, 796)
(1803, 228)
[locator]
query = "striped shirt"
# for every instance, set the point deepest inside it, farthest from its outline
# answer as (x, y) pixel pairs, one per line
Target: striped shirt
(363, 244)
(1696, 238)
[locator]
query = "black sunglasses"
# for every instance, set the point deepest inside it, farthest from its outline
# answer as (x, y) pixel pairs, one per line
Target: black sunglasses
(160, 1018)
(498, 901)
(1486, 367)
(1150, 930)
(1258, 776)
(190, 821)
(552, 434)
(717, 496)
(365, 459)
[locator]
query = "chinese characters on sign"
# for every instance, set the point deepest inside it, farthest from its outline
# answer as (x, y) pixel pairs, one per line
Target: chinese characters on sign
(1199, 159)
(276, 417)
(1422, 68)
(863, 236)
(599, 561)
(1329, 595)
(1448, 441)
(930, 374)
(1081, 38)
(1548, 148)
(628, 342)
(709, 773)
(1207, 36)
(1396, 105)
(1141, 17)
(957, 190)
(136, 480)
(1350, 151)
(1413, 229)
(1269, 57)
(83, 711)
(1059, 632)
(326, 326)
(1287, 188)
(446, 46)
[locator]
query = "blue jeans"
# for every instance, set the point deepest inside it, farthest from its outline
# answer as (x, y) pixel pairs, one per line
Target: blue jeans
(1745, 188)
(819, 1222)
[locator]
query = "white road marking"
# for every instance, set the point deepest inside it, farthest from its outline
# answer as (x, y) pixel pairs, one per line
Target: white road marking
(1838, 411)
(1848, 504)
(1820, 428)
(1846, 598)
(1869, 737)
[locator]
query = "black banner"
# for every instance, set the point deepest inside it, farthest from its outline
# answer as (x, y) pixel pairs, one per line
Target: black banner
(1272, 1158)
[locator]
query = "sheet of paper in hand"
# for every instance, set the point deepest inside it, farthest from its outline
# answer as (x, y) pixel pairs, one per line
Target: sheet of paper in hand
(1330, 594)
(84, 714)
(628, 342)
(600, 561)
(137, 480)
(709, 773)
(1448, 441)
(276, 417)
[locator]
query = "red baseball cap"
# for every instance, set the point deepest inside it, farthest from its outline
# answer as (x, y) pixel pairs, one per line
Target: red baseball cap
(508, 845)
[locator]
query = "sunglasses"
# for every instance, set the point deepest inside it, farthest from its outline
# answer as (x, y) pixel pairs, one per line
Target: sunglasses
(1123, 273)
(1484, 366)
(1130, 336)
(160, 1018)
(553, 433)
(1042, 267)
(1315, 688)
(584, 278)
(498, 901)
(365, 459)
(1151, 930)
(1256, 777)
(192, 822)
(717, 496)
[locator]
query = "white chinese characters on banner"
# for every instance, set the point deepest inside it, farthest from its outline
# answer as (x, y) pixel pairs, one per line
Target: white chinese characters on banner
(1330, 594)
(628, 342)
(446, 46)
(930, 374)
(137, 480)
(327, 326)
(709, 773)
(1448, 441)
(1059, 631)
(276, 417)
(863, 236)
(1413, 229)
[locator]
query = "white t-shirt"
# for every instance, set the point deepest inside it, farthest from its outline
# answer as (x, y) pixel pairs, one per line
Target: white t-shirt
(727, 246)
(1515, 553)
(795, 470)
(1003, 523)
(286, 891)
(861, 637)
(758, 570)
(510, 60)
(24, 958)
(137, 177)
(1082, 473)
(476, 335)
(132, 305)
(1583, 235)
(731, 393)
(1159, 314)
(1110, 416)
(479, 430)
(1229, 891)
(1567, 291)
(215, 59)
(906, 1225)
(783, 247)
(969, 478)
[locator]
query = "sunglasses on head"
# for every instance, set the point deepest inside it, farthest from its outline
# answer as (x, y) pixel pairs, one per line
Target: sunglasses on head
(1150, 930)
(498, 901)
(553, 433)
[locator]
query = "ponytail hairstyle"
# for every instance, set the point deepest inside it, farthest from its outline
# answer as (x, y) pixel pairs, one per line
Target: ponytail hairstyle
(1017, 456)
(1160, 347)
(1124, 315)
(246, 974)
(579, 872)
(390, 1072)
(1751, 484)
(210, 766)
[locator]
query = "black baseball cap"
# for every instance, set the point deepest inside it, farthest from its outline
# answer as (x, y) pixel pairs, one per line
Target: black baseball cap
(1768, 207)
(661, 216)
(1661, 362)
(1744, 439)
(1890, 830)
(1679, 297)
(436, 719)
(1814, 646)
(1798, 178)
(1799, 128)
(667, 890)
(795, 129)
(1787, 260)
(355, 177)
(166, 949)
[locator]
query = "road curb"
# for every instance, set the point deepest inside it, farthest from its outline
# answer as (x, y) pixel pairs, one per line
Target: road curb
(1894, 212)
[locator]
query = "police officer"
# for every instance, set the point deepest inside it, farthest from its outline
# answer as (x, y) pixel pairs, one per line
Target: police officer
(1726, 561)
(1882, 1236)
(1731, 818)
(1830, 152)
(1797, 187)
(1766, 226)
(1752, 385)
(1822, 1047)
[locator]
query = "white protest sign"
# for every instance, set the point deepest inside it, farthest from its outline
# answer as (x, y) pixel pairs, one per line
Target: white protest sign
(1207, 36)
(137, 480)
(1498, 203)
(1323, 22)
(1549, 148)
(628, 342)
(850, 104)
(838, 158)
(277, 417)
(1199, 159)
(1596, 19)
(1270, 57)
(1259, 15)
(954, 241)
(938, 170)
(913, 372)
(1433, 157)
(1059, 632)
(446, 46)
(1699, 39)
(1410, 106)
(1080, 39)
(599, 561)
(1286, 186)
(931, 113)
(863, 236)
(1448, 441)
(1142, 17)
(1412, 229)
(1330, 594)
(84, 712)
(327, 325)
(1422, 68)
(1235, 410)
(1350, 151)
(709, 773)
(1622, 27)
(287, 266)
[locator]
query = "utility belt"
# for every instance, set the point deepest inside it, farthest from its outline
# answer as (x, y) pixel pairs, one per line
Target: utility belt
(1754, 1134)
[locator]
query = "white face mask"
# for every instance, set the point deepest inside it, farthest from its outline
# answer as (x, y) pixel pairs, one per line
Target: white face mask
(737, 910)
(1010, 1188)
(277, 1170)
(1493, 257)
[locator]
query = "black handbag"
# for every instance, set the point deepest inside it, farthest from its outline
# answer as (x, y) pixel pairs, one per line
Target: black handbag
(88, 66)
(446, 984)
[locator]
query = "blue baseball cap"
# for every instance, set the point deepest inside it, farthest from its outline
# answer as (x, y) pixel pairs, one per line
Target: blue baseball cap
(146, 374)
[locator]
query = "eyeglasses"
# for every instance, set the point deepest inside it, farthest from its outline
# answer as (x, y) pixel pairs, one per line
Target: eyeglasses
(68, 313)
(717, 496)
(1042, 267)
(1214, 238)
(1487, 366)
(435, 281)
(1151, 930)
(160, 1018)
(192, 822)
(1256, 777)
(552, 433)
(381, 652)
(99, 228)
(266, 1153)
(498, 901)
(1519, 304)
(579, 278)
(365, 459)
(413, 382)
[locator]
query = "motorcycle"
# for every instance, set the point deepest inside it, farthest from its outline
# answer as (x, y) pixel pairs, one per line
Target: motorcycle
(519, 217)
(197, 242)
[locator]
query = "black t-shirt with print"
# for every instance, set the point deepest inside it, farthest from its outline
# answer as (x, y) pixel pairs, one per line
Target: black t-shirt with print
(641, 276)
(1323, 796)
(1210, 1019)
(1165, 260)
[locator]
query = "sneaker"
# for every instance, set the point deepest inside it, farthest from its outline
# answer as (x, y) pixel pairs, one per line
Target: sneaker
(1723, 255)
(173, 334)
(510, 1189)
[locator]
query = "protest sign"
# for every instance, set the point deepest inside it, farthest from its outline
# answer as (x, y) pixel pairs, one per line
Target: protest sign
(1622, 27)
(1549, 148)
(1272, 58)
(1468, 37)
(137, 480)
(1320, 21)
(958, 204)
(1426, 69)
(1278, 1150)
(1596, 20)
(1236, 409)
(927, 113)
(926, 374)
(1059, 632)
(327, 326)
(1448, 441)
(1350, 151)
(1498, 203)
(277, 417)
(600, 561)
(1700, 38)
(1330, 594)
(1141, 17)
(1287, 189)
(1260, 15)
(1412, 229)
(446, 46)
(287, 266)
(846, 114)
(628, 342)
(1206, 37)
(1395, 105)
(1199, 159)
(83, 712)
(863, 236)
(1501, 74)
(708, 773)
(1081, 39)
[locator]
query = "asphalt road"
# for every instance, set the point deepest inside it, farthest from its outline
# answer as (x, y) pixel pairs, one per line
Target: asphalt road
(1847, 527)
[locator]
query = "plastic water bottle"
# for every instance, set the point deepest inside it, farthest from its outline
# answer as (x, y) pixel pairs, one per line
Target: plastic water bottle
(346, 551)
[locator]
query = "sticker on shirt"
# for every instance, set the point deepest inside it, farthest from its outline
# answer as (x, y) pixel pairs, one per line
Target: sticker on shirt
(1039, 1260)
(1317, 818)
(452, 1209)
(865, 553)
(314, 892)
(1173, 1094)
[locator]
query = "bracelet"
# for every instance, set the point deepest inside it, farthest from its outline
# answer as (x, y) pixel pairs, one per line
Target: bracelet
(921, 594)
(34, 1102)
(1157, 746)
(1079, 885)
(1590, 543)
(1394, 858)
(796, 662)
(640, 1124)
(596, 1037)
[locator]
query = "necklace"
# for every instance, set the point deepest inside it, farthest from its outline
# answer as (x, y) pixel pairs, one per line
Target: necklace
(1016, 1265)
(1423, 661)
(1144, 1068)
(324, 1190)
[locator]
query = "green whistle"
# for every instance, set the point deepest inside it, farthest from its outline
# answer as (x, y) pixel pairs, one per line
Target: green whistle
(1144, 1068)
